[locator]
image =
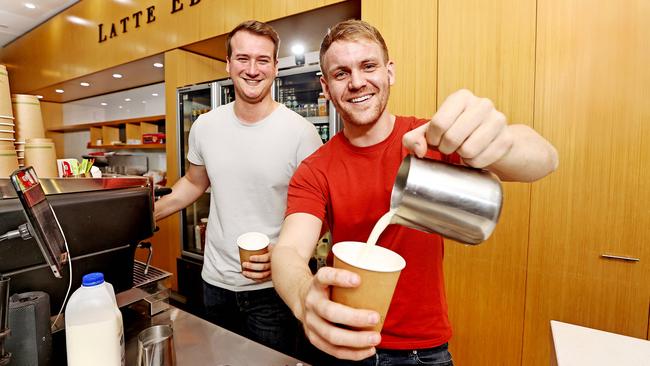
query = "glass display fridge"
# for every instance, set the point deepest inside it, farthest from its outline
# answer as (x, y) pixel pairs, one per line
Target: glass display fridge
(193, 101)
(299, 89)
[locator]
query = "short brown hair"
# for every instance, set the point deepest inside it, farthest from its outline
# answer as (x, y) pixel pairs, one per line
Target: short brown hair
(259, 28)
(352, 30)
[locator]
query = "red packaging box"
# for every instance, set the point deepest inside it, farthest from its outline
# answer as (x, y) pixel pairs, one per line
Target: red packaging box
(153, 138)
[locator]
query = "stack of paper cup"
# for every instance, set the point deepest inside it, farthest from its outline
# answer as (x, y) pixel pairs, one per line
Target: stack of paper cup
(7, 133)
(5, 97)
(40, 153)
(29, 120)
(20, 152)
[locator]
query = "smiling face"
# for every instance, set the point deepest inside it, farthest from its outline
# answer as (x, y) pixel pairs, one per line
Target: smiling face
(357, 79)
(252, 66)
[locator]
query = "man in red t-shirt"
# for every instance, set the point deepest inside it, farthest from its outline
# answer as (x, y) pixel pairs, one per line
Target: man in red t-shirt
(347, 184)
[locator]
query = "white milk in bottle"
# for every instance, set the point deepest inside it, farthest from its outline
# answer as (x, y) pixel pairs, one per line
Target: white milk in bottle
(94, 332)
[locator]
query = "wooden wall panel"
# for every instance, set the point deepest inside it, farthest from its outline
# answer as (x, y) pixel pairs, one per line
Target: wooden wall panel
(591, 101)
(60, 50)
(410, 34)
(53, 116)
(489, 47)
(181, 68)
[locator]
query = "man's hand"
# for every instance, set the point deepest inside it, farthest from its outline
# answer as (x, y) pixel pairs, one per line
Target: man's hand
(259, 267)
(465, 124)
(323, 319)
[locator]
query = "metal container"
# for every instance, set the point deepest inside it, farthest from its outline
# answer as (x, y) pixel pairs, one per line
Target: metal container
(457, 202)
(156, 346)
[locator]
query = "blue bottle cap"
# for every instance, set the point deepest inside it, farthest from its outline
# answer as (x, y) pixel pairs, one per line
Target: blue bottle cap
(92, 279)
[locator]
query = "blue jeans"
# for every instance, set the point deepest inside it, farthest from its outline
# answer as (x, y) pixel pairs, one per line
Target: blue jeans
(438, 356)
(260, 315)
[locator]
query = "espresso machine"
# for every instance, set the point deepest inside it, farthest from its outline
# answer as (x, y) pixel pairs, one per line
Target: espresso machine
(103, 219)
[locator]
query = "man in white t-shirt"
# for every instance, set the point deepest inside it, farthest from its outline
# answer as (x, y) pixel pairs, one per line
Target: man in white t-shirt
(246, 152)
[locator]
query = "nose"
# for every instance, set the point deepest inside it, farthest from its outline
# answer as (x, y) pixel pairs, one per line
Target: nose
(357, 81)
(252, 69)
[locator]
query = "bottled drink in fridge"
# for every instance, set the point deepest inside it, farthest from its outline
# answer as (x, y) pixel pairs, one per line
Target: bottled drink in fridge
(322, 105)
(94, 332)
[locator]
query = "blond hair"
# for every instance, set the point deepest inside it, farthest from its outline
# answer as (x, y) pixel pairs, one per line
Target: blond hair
(352, 30)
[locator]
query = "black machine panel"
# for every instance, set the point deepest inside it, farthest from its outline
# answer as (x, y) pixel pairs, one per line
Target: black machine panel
(102, 229)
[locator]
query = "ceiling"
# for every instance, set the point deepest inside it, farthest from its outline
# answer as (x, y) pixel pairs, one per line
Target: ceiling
(17, 19)
(306, 28)
(134, 74)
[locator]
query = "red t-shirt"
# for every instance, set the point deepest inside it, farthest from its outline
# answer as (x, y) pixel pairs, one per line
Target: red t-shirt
(349, 188)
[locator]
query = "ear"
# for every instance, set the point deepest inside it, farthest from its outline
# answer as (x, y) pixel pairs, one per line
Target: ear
(228, 65)
(326, 90)
(390, 66)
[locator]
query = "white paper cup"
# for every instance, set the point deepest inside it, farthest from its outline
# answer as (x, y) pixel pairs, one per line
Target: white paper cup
(29, 120)
(379, 269)
(42, 156)
(8, 162)
(252, 243)
(6, 143)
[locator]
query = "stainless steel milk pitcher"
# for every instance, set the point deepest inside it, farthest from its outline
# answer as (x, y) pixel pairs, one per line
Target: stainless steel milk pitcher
(458, 202)
(156, 346)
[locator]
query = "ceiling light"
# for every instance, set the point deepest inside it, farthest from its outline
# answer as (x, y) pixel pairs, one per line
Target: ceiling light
(298, 49)
(60, 91)
(120, 107)
(83, 83)
(39, 96)
(117, 76)
(103, 103)
(30, 6)
(144, 102)
(154, 94)
(79, 21)
(158, 65)
(127, 99)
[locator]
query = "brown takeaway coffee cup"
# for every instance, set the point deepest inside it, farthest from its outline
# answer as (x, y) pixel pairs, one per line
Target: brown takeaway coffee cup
(252, 243)
(379, 269)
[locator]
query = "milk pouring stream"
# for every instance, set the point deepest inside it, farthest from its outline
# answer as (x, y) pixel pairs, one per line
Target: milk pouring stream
(94, 332)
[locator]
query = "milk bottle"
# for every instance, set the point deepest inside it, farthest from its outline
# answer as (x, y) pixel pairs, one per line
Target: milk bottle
(94, 332)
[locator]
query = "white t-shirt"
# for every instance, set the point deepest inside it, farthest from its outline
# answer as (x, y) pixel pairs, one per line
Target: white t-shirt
(249, 166)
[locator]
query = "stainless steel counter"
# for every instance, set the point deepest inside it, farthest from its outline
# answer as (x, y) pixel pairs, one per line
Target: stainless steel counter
(199, 342)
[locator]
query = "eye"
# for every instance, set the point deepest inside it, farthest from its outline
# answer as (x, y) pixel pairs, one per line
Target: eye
(339, 75)
(369, 67)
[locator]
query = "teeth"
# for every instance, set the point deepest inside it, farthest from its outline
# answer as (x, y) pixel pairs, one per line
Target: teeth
(361, 99)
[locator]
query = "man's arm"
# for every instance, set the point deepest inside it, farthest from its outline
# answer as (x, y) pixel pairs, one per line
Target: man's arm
(186, 190)
(308, 296)
(473, 128)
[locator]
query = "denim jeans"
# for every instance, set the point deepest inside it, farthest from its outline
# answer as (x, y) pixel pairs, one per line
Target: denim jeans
(438, 356)
(260, 315)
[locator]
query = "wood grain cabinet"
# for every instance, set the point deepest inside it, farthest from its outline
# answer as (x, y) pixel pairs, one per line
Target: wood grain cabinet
(577, 72)
(591, 100)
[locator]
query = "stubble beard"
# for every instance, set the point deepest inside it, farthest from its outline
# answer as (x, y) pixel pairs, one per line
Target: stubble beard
(375, 112)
